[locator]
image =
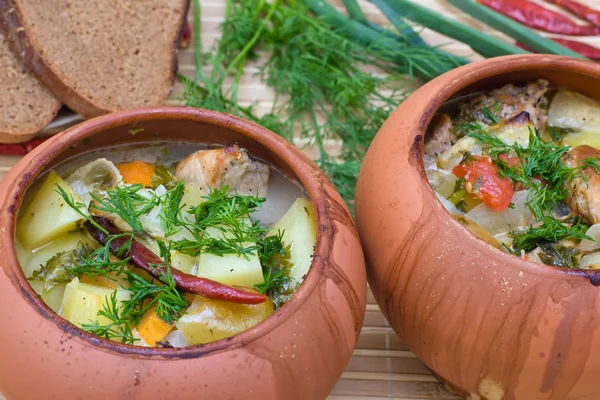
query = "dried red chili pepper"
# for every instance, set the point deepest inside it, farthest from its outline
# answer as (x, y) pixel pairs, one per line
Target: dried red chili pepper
(143, 258)
(586, 50)
(539, 17)
(581, 10)
(186, 36)
(20, 149)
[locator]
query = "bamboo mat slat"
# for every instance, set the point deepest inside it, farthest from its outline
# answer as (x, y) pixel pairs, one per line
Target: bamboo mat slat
(382, 367)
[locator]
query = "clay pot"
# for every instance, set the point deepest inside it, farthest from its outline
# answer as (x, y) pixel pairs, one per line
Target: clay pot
(297, 353)
(487, 322)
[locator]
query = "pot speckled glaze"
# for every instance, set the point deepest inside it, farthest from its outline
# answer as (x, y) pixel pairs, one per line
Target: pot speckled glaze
(488, 323)
(297, 353)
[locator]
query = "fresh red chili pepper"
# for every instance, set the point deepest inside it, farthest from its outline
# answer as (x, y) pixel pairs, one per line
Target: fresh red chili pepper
(586, 50)
(20, 149)
(483, 182)
(539, 17)
(581, 10)
(143, 258)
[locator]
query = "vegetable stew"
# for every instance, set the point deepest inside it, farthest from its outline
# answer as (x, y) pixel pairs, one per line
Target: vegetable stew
(519, 166)
(154, 246)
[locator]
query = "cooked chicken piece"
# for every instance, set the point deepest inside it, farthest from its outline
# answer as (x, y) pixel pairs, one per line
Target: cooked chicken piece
(229, 166)
(584, 190)
(442, 138)
(507, 102)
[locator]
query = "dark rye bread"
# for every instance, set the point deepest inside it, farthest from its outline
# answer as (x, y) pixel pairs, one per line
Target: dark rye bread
(26, 107)
(99, 56)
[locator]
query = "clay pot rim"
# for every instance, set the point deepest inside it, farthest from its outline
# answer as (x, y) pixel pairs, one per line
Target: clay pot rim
(31, 166)
(459, 79)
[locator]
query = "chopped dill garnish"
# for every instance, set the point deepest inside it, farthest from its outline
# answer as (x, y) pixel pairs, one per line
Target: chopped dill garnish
(118, 326)
(171, 209)
(127, 203)
(539, 162)
(490, 115)
(100, 262)
(226, 213)
(551, 231)
(275, 259)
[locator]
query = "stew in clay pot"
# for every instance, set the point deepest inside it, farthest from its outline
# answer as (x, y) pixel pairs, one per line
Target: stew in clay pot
(487, 266)
(175, 253)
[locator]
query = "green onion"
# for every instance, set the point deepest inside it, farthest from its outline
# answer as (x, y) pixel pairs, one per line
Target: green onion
(404, 28)
(423, 62)
(355, 12)
(513, 29)
(483, 44)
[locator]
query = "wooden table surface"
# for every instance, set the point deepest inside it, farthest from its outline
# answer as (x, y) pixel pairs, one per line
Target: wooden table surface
(382, 367)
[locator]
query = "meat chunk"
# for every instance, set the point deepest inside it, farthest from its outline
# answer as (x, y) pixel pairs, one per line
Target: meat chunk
(441, 138)
(229, 166)
(507, 102)
(584, 190)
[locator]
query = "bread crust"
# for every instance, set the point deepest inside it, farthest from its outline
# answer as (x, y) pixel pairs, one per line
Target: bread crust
(22, 45)
(27, 133)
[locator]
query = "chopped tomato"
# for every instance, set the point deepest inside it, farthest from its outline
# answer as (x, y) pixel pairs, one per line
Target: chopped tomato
(510, 161)
(483, 182)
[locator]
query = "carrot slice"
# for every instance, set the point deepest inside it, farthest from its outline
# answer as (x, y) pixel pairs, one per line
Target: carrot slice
(152, 328)
(137, 172)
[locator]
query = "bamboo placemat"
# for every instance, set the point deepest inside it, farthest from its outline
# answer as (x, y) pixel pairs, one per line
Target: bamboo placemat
(382, 367)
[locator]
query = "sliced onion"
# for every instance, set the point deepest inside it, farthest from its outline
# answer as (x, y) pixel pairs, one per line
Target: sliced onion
(443, 182)
(176, 339)
(98, 176)
(590, 261)
(533, 256)
(501, 222)
(594, 233)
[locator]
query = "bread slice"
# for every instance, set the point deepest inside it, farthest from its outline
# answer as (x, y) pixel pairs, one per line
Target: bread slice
(99, 56)
(26, 106)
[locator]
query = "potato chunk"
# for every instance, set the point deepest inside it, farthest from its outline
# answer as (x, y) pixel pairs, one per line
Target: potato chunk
(230, 269)
(299, 228)
(211, 320)
(82, 301)
(575, 111)
(64, 243)
(48, 215)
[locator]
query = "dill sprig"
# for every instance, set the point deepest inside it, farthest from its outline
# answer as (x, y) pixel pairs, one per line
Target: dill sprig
(118, 326)
(229, 215)
(127, 203)
(321, 92)
(100, 262)
(275, 260)
(171, 209)
(550, 231)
